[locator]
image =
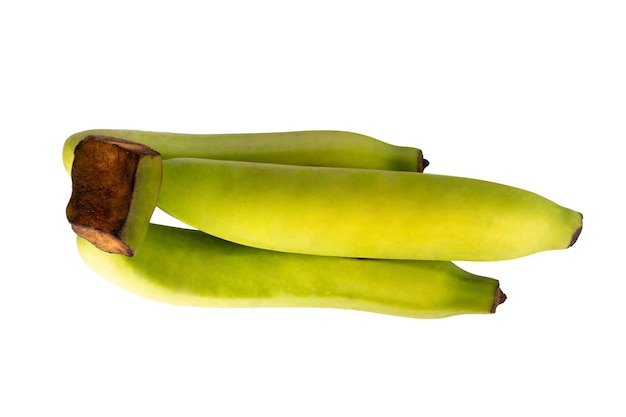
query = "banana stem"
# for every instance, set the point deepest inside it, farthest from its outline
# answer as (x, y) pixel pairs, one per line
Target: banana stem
(115, 187)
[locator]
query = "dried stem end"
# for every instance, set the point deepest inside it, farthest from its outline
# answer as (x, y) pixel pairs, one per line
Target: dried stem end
(115, 187)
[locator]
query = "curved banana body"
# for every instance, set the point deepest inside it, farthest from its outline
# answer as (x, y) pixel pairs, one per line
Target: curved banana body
(363, 213)
(188, 267)
(316, 148)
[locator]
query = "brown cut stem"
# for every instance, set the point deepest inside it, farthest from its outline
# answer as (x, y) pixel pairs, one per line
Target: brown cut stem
(108, 176)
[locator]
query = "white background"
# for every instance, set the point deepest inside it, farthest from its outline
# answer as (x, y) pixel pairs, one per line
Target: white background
(531, 94)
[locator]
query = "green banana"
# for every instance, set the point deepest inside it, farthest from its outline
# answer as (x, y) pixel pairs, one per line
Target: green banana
(188, 267)
(317, 148)
(363, 213)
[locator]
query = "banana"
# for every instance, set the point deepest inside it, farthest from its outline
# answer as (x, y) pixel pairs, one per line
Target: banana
(317, 148)
(363, 213)
(190, 268)
(100, 211)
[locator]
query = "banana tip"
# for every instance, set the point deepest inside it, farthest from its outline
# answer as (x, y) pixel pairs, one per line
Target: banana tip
(576, 233)
(421, 162)
(499, 299)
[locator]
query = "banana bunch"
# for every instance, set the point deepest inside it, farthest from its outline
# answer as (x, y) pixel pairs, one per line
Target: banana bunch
(298, 219)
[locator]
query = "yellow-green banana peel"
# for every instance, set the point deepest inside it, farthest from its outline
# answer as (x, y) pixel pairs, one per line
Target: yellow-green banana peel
(190, 268)
(363, 213)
